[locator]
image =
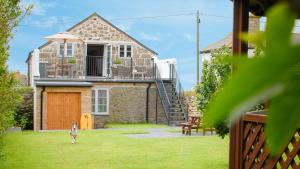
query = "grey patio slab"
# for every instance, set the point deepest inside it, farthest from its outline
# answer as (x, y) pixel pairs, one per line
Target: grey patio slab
(162, 133)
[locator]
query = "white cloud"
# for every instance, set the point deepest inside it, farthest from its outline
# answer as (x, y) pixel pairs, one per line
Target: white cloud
(189, 37)
(44, 22)
(124, 27)
(66, 23)
(39, 7)
(150, 37)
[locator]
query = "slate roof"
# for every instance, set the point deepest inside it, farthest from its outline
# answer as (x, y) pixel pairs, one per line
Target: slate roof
(227, 41)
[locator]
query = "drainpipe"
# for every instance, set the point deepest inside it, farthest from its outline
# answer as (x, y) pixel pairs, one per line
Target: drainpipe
(156, 107)
(42, 96)
(147, 102)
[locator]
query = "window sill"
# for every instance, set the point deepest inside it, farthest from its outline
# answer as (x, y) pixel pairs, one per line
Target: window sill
(60, 56)
(100, 114)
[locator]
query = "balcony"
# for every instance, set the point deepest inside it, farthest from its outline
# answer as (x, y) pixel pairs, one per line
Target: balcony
(96, 67)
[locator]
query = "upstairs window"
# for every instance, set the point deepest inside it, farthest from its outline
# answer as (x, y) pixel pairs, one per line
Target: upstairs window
(70, 50)
(122, 51)
(125, 51)
(61, 49)
(128, 51)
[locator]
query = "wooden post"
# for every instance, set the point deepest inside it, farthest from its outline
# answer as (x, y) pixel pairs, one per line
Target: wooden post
(197, 47)
(240, 24)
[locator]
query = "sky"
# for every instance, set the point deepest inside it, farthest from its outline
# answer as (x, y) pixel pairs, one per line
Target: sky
(170, 37)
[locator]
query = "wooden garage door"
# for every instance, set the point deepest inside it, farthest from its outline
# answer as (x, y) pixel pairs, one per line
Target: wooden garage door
(62, 110)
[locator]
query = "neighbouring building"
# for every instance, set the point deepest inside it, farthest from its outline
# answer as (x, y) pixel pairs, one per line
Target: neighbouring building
(227, 41)
(107, 76)
(254, 26)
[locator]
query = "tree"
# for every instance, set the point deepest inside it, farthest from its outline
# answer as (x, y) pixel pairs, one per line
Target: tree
(11, 13)
(214, 74)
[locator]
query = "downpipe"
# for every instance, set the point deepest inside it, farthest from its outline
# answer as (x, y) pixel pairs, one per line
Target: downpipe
(42, 96)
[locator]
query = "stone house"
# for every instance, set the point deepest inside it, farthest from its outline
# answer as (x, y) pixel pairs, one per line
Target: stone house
(109, 76)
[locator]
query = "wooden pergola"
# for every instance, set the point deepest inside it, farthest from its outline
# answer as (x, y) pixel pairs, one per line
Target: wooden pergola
(257, 156)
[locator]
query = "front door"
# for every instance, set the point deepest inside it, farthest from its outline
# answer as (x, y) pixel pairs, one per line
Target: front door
(95, 60)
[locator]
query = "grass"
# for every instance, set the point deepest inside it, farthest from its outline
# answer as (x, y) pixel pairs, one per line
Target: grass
(112, 149)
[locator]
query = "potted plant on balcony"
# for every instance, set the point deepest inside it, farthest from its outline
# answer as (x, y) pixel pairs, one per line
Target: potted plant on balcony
(71, 61)
(116, 62)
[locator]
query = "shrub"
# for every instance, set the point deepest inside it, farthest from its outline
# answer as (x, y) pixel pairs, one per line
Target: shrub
(24, 113)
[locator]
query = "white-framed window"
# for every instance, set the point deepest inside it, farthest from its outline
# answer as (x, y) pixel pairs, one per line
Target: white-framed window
(70, 49)
(61, 49)
(100, 101)
(125, 51)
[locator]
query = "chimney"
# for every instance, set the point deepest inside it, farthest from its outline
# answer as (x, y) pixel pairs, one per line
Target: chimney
(254, 23)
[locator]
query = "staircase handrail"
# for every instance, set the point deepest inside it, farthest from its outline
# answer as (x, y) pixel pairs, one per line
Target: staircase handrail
(179, 90)
(158, 79)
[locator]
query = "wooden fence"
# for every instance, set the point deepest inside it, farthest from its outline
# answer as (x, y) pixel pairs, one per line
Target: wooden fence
(251, 151)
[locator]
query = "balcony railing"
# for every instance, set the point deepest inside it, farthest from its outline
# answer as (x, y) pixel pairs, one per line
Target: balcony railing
(96, 67)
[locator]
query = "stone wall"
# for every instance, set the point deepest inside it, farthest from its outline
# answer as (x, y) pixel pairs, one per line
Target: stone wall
(191, 103)
(127, 103)
(96, 29)
(254, 23)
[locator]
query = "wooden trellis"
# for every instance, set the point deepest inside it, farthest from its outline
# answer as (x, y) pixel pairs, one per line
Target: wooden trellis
(254, 153)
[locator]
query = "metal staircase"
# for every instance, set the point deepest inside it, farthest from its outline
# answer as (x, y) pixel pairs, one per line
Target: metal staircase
(171, 95)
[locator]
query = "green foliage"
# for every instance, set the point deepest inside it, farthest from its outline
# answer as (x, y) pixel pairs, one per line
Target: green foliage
(273, 76)
(214, 74)
(117, 61)
(11, 13)
(24, 113)
(71, 60)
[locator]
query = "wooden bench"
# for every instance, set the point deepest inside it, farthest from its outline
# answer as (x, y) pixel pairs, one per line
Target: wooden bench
(193, 123)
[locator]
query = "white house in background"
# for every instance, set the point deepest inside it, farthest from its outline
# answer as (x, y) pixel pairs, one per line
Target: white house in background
(254, 26)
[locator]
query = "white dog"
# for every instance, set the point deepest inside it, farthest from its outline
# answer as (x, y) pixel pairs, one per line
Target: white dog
(73, 133)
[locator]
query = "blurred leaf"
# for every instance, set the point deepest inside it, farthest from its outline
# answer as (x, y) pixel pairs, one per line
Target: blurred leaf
(258, 39)
(280, 23)
(283, 117)
(265, 77)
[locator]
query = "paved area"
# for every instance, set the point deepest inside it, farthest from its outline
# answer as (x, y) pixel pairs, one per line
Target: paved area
(168, 132)
(164, 133)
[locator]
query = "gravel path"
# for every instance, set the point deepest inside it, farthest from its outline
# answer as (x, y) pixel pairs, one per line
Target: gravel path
(164, 133)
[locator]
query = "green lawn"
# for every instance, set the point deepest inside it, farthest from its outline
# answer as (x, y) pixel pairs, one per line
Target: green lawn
(112, 149)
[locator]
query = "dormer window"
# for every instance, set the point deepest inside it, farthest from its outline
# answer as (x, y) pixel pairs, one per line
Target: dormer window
(70, 50)
(125, 51)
